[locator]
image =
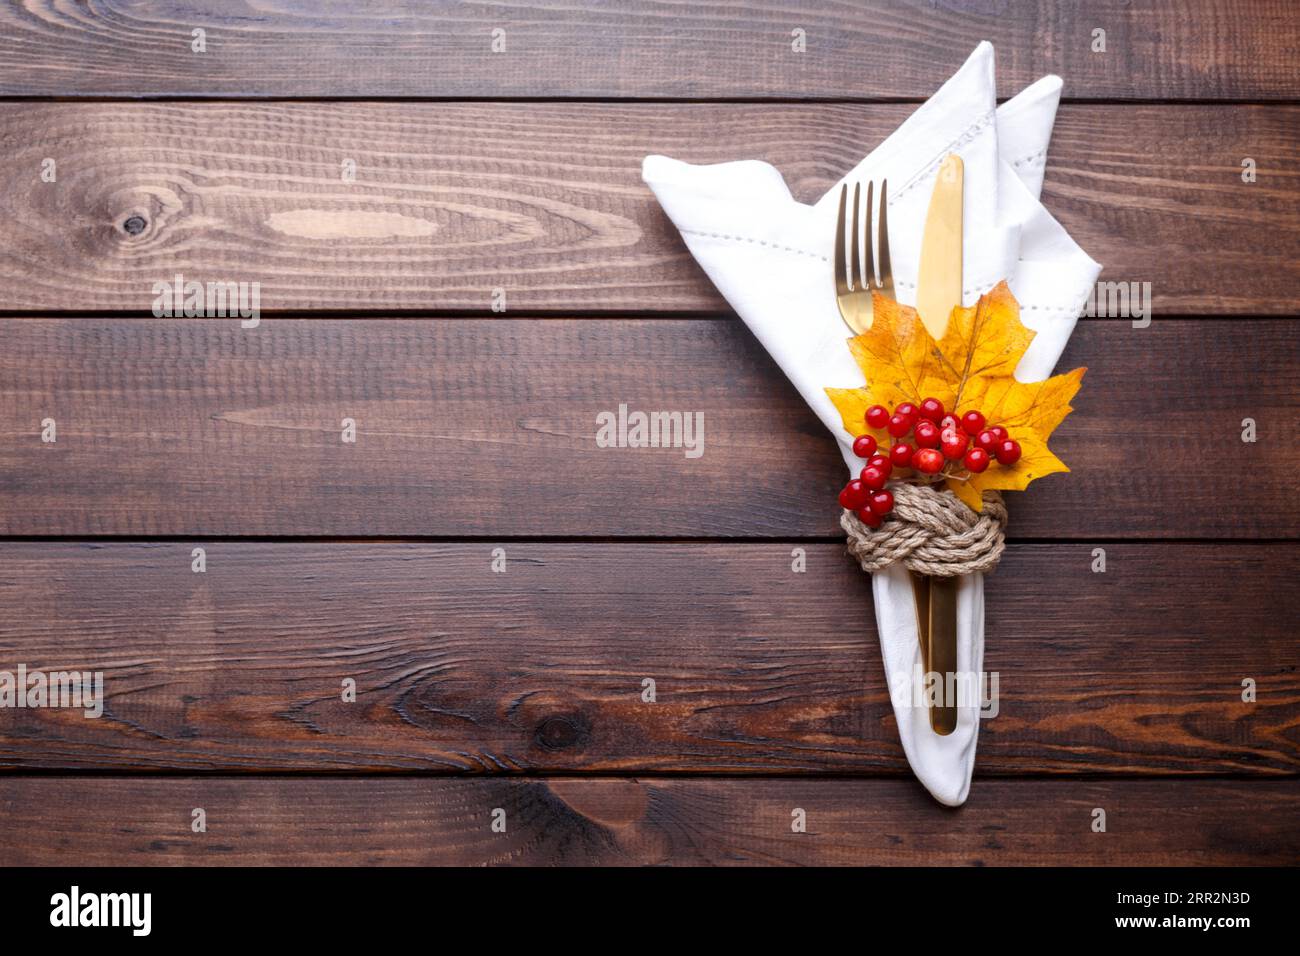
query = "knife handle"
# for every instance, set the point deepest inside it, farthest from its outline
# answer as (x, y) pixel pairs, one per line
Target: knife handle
(943, 651)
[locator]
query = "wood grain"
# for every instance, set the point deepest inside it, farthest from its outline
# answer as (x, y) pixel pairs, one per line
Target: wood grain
(881, 48)
(546, 201)
(479, 427)
(540, 669)
(321, 822)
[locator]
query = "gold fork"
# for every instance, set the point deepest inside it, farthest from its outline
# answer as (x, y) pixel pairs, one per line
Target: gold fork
(853, 290)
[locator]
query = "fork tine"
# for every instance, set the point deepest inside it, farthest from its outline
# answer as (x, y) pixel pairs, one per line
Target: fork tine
(855, 268)
(866, 236)
(841, 283)
(886, 271)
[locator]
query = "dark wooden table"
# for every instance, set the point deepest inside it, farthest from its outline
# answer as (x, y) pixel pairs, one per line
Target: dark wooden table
(522, 691)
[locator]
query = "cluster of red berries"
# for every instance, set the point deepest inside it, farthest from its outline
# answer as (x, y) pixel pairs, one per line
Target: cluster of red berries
(945, 444)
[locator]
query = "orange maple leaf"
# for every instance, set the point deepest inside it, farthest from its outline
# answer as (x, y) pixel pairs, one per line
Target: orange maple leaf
(972, 367)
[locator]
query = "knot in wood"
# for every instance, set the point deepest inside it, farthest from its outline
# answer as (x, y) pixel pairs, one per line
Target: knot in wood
(558, 733)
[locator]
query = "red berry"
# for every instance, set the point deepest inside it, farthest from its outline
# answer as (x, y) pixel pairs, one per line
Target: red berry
(873, 477)
(854, 495)
(999, 433)
(901, 455)
(864, 446)
(932, 409)
(908, 411)
(927, 434)
(976, 460)
(877, 416)
(972, 423)
(953, 443)
(882, 503)
(949, 421)
(927, 460)
(883, 463)
(986, 440)
(1008, 451)
(869, 518)
(899, 425)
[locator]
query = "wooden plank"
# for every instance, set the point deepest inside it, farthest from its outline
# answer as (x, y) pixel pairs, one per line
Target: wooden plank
(477, 427)
(879, 48)
(102, 821)
(546, 201)
(757, 669)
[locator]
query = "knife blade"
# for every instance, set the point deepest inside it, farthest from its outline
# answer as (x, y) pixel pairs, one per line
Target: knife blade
(938, 282)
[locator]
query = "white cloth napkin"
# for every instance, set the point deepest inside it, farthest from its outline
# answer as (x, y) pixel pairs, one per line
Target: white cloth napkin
(770, 257)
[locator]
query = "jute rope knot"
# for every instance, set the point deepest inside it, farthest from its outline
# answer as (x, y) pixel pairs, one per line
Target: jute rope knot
(932, 532)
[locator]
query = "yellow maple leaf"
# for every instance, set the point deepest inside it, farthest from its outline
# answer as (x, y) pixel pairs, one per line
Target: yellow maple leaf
(972, 367)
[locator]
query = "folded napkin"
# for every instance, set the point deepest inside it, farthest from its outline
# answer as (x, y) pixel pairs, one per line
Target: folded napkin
(770, 257)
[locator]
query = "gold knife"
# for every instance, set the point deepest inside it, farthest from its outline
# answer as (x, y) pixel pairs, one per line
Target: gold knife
(938, 283)
(938, 290)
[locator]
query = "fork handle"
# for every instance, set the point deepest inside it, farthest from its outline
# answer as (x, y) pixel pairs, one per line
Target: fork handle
(921, 596)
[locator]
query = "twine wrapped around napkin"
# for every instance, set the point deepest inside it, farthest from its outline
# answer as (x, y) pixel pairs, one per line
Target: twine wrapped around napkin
(770, 256)
(931, 532)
